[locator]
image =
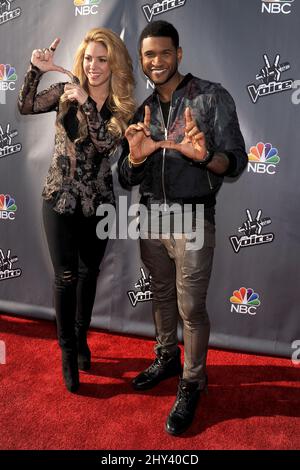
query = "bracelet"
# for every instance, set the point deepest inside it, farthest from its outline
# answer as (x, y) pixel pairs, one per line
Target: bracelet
(131, 163)
(208, 157)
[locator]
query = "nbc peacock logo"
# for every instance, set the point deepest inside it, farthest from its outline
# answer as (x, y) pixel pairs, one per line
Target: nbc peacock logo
(79, 3)
(263, 159)
(86, 7)
(244, 301)
(8, 77)
(7, 207)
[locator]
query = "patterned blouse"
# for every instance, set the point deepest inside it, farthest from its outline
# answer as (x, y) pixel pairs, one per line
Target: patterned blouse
(80, 170)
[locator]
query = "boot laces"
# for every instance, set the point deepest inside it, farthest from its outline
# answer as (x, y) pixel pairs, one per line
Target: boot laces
(182, 400)
(155, 364)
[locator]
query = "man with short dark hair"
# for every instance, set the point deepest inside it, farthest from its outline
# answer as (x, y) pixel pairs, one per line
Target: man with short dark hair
(184, 139)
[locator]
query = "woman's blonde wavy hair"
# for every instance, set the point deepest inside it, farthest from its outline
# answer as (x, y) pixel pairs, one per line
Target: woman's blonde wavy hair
(120, 100)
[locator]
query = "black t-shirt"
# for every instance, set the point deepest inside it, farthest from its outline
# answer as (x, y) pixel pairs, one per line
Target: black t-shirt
(165, 107)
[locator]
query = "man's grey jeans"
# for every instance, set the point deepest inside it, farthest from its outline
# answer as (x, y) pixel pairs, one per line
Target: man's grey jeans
(180, 279)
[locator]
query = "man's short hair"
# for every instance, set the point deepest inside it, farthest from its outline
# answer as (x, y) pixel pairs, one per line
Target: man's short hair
(160, 29)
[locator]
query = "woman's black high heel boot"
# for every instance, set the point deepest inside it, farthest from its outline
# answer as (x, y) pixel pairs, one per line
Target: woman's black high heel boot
(70, 370)
(84, 353)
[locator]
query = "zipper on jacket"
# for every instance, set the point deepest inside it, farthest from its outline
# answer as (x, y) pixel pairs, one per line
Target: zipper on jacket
(164, 150)
(209, 181)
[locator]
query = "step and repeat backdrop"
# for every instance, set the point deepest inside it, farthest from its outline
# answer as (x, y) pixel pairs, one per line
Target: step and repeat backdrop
(252, 49)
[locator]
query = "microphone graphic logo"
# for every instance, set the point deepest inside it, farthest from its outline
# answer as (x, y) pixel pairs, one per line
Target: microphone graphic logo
(273, 72)
(251, 227)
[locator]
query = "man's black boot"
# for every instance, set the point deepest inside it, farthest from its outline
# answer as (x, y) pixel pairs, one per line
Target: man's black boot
(84, 353)
(163, 367)
(183, 411)
(70, 370)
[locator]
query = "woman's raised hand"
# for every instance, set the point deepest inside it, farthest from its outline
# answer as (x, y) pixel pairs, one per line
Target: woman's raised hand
(44, 58)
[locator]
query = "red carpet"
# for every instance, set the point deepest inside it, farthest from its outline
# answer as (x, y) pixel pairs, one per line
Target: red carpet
(253, 402)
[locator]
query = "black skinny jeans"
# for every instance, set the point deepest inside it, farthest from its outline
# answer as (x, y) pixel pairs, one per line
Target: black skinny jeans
(76, 253)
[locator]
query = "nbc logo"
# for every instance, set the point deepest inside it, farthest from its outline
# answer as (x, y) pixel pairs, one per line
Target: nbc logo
(144, 292)
(244, 300)
(6, 266)
(6, 147)
(276, 6)
(7, 207)
(263, 158)
(8, 77)
(6, 13)
(86, 7)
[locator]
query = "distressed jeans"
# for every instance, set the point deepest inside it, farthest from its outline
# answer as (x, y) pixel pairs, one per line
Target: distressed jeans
(76, 254)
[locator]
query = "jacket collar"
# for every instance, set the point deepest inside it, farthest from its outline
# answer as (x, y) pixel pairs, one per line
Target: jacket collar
(179, 91)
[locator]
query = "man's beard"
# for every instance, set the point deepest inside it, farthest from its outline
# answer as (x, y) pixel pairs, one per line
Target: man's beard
(167, 79)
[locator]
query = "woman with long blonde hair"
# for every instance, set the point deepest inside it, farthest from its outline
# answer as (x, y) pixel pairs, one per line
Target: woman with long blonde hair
(93, 112)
